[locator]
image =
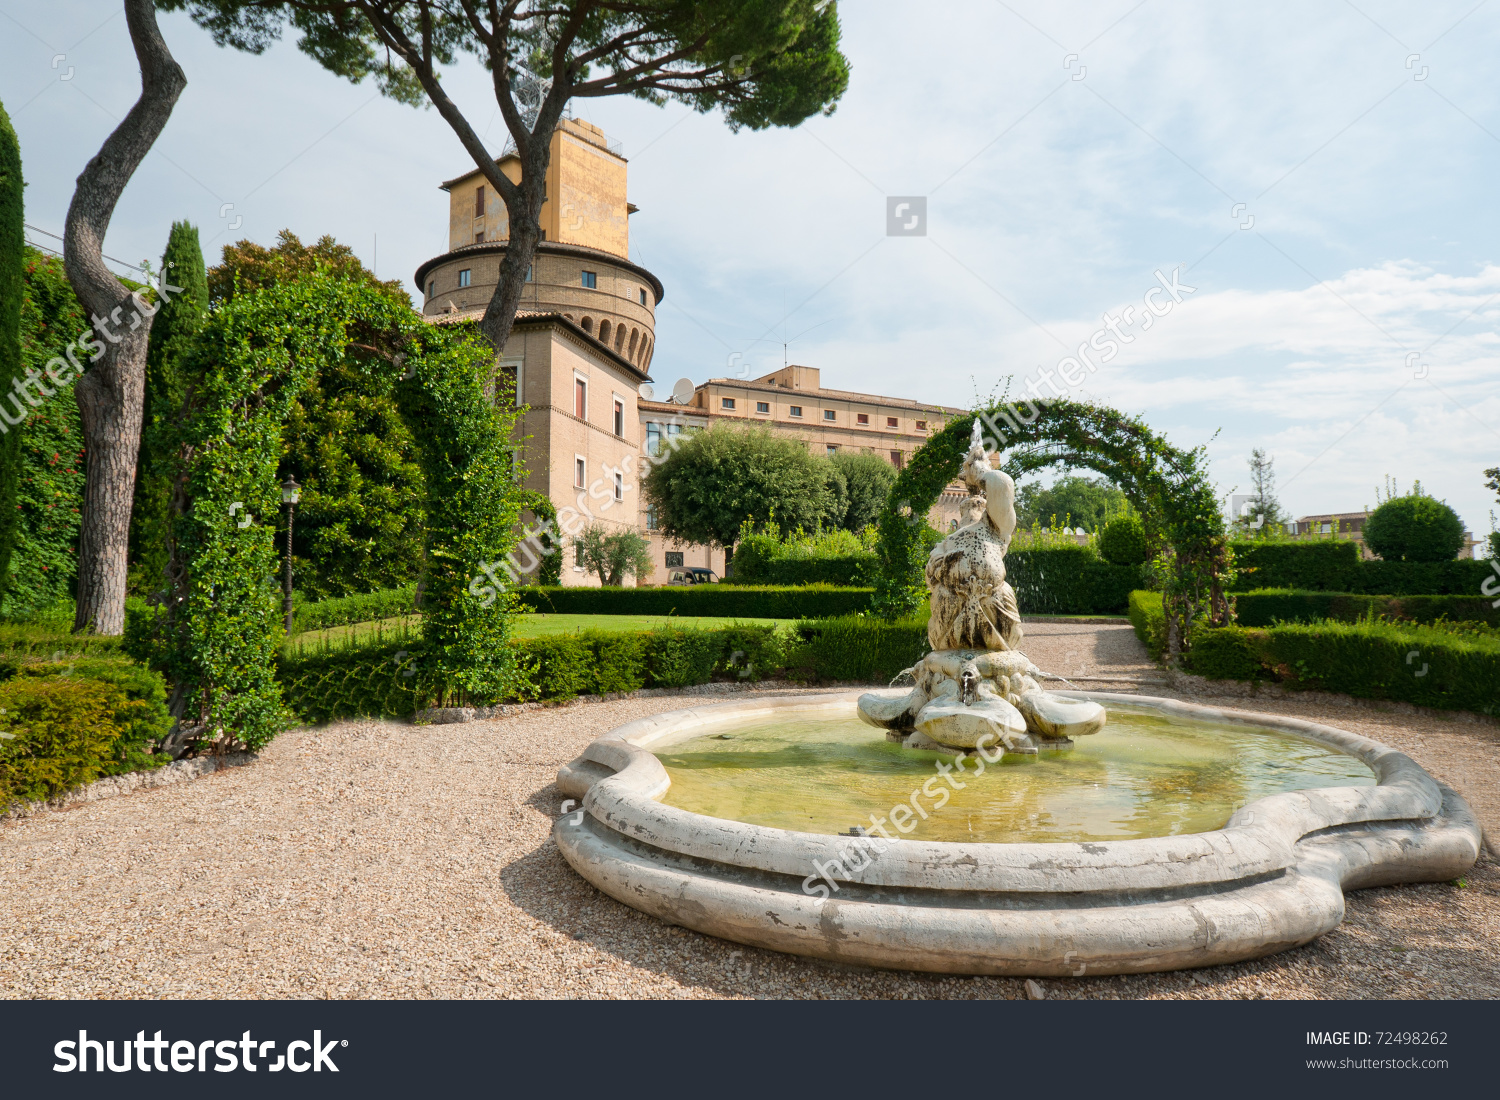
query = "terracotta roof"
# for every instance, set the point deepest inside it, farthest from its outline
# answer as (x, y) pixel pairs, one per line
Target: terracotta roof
(837, 395)
(526, 319)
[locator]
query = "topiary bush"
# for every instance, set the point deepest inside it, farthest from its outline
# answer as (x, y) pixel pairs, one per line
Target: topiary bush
(1123, 541)
(1414, 528)
(68, 723)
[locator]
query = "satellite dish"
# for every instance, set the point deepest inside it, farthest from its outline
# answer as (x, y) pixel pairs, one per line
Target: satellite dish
(646, 391)
(682, 392)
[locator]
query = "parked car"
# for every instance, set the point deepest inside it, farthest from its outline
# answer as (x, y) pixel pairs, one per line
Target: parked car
(692, 574)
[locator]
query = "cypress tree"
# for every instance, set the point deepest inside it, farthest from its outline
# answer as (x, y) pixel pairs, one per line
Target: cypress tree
(172, 333)
(12, 253)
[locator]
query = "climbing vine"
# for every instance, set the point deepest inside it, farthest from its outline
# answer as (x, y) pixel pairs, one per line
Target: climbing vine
(219, 630)
(1167, 485)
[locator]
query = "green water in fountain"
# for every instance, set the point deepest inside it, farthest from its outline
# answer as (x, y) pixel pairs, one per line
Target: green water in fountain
(1143, 775)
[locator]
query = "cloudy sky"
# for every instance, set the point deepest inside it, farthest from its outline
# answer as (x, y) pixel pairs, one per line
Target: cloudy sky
(1321, 176)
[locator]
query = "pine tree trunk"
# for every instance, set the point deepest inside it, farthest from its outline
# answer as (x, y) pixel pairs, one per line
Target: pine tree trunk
(111, 393)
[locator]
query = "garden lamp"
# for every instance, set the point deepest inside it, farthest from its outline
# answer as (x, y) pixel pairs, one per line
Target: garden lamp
(291, 492)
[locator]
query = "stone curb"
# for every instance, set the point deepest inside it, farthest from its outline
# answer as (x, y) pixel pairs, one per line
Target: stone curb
(179, 771)
(1189, 684)
(448, 715)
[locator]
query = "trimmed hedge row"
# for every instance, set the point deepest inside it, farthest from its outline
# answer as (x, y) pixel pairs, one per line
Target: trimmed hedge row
(68, 723)
(1070, 580)
(1422, 665)
(347, 610)
(1264, 607)
(386, 681)
(1335, 566)
(851, 570)
(819, 601)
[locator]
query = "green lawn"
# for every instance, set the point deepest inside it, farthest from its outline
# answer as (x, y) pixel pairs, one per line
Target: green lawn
(525, 626)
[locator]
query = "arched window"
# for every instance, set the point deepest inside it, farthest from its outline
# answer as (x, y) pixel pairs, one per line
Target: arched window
(604, 331)
(635, 336)
(588, 325)
(619, 338)
(647, 347)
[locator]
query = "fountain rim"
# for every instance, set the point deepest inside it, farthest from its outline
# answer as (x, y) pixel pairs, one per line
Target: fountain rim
(619, 780)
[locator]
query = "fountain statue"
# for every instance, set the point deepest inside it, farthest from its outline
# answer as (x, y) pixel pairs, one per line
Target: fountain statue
(976, 689)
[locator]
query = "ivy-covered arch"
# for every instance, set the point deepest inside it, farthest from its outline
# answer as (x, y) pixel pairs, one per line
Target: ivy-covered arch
(218, 630)
(1167, 485)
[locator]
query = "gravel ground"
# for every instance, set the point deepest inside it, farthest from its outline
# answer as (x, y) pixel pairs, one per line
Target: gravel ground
(378, 859)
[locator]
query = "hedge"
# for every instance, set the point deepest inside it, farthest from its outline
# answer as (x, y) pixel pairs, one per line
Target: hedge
(1335, 566)
(1265, 607)
(382, 680)
(1070, 580)
(849, 570)
(1427, 666)
(347, 610)
(866, 650)
(711, 600)
(70, 722)
(1150, 622)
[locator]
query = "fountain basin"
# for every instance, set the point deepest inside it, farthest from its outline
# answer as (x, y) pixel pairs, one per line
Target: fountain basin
(1271, 878)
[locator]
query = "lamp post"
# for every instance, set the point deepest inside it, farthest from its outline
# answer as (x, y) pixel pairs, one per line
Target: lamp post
(290, 492)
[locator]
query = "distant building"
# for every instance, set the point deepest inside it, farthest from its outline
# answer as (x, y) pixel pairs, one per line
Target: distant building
(582, 345)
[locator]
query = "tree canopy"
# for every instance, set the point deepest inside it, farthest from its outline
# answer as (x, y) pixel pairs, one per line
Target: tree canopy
(1071, 501)
(762, 62)
(867, 480)
(715, 480)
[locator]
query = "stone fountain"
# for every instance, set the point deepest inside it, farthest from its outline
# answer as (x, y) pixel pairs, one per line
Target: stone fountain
(976, 689)
(1266, 870)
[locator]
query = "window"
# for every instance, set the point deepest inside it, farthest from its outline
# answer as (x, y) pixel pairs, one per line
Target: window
(1325, 528)
(892, 422)
(651, 517)
(577, 555)
(953, 525)
(726, 402)
(898, 460)
(580, 399)
(643, 296)
(619, 486)
(833, 449)
(479, 201)
(580, 471)
(762, 406)
(463, 277)
(795, 410)
(674, 559)
(619, 417)
(828, 414)
(431, 287)
(590, 279)
(653, 439)
(529, 269)
(673, 429)
(862, 418)
(921, 425)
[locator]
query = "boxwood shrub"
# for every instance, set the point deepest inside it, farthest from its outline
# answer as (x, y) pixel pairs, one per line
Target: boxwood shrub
(71, 722)
(867, 650)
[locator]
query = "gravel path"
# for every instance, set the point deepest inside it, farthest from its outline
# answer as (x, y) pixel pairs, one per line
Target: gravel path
(378, 859)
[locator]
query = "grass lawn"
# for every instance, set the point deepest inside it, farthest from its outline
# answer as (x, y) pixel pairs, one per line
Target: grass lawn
(534, 625)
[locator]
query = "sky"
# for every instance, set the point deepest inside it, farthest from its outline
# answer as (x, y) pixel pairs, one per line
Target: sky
(1319, 175)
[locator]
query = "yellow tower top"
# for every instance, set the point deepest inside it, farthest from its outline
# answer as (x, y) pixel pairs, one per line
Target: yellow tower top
(585, 202)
